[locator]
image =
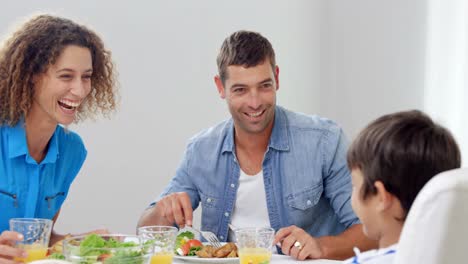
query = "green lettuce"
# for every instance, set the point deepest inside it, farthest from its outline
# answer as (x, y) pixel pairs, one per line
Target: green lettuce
(56, 256)
(182, 238)
(95, 249)
(193, 251)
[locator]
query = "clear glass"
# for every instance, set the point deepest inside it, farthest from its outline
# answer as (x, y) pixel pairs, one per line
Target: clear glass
(255, 244)
(138, 254)
(163, 240)
(36, 232)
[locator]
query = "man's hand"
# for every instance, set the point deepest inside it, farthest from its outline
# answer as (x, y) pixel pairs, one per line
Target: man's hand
(176, 208)
(298, 244)
(7, 250)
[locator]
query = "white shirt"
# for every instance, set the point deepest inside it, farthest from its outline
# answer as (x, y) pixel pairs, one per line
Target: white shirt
(250, 209)
(376, 256)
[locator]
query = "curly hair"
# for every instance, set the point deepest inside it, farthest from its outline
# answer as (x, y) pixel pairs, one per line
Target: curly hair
(33, 48)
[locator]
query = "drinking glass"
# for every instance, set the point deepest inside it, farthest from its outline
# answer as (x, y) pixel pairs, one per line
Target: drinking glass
(255, 244)
(162, 238)
(36, 233)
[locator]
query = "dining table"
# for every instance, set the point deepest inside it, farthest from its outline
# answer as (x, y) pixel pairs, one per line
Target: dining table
(276, 259)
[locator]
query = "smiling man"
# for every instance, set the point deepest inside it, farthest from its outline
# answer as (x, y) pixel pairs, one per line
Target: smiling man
(265, 167)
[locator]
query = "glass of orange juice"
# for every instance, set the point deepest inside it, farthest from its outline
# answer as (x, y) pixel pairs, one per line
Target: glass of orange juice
(255, 244)
(36, 232)
(162, 238)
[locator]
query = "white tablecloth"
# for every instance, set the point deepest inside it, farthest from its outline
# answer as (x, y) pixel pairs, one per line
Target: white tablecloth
(280, 259)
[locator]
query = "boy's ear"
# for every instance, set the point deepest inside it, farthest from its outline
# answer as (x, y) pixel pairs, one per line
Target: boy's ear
(384, 198)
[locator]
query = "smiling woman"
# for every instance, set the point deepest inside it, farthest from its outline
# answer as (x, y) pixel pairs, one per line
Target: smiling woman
(53, 72)
(64, 86)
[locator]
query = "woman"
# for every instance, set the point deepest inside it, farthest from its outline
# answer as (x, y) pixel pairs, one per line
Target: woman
(53, 72)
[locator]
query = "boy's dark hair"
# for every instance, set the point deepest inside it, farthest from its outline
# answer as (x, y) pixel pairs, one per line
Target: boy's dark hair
(244, 48)
(404, 151)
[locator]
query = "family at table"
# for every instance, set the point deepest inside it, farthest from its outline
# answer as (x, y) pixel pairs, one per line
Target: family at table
(266, 166)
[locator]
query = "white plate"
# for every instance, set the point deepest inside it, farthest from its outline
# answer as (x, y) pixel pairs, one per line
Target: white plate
(196, 259)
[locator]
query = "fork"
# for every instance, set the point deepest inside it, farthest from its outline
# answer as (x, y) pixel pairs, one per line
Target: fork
(210, 237)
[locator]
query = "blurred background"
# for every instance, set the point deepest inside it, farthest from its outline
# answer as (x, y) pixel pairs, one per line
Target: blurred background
(350, 61)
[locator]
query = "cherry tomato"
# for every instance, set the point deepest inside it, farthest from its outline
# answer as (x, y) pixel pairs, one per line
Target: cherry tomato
(190, 244)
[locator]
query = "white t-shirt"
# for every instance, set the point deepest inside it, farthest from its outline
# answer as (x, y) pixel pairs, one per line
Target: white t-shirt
(250, 209)
(376, 256)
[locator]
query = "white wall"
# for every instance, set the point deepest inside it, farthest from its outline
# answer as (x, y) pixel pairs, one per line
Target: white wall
(372, 59)
(348, 60)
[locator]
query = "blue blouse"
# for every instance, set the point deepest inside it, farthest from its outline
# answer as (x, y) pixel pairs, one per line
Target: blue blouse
(31, 189)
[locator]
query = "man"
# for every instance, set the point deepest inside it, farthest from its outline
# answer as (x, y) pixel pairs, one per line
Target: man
(266, 166)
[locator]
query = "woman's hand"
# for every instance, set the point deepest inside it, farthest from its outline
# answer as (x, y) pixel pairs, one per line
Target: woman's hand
(7, 249)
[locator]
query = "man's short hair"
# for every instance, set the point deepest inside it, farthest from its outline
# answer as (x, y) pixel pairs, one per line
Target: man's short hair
(245, 48)
(403, 150)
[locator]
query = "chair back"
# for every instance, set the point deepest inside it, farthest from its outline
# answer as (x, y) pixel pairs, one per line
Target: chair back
(436, 228)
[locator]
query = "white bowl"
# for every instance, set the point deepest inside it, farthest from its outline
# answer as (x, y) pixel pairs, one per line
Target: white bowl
(50, 261)
(138, 254)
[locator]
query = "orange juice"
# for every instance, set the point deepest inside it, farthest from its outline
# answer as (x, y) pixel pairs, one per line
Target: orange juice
(33, 254)
(161, 258)
(254, 256)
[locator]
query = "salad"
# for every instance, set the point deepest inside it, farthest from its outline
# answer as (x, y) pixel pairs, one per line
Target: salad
(187, 245)
(106, 249)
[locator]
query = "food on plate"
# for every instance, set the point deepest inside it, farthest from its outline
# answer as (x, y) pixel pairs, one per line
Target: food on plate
(191, 247)
(233, 254)
(207, 251)
(229, 250)
(186, 245)
(226, 250)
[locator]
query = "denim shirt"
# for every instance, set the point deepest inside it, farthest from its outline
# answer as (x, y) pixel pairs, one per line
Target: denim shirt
(307, 182)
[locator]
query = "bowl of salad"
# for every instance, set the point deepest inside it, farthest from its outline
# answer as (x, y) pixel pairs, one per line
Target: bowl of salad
(107, 249)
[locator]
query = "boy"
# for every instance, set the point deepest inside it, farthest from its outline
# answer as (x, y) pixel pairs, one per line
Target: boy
(390, 161)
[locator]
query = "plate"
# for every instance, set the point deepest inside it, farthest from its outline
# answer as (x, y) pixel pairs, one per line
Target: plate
(196, 259)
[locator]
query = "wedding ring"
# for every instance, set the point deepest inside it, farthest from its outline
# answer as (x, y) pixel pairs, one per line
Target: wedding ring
(298, 245)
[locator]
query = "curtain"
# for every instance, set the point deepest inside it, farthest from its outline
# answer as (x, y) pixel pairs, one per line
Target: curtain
(446, 85)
